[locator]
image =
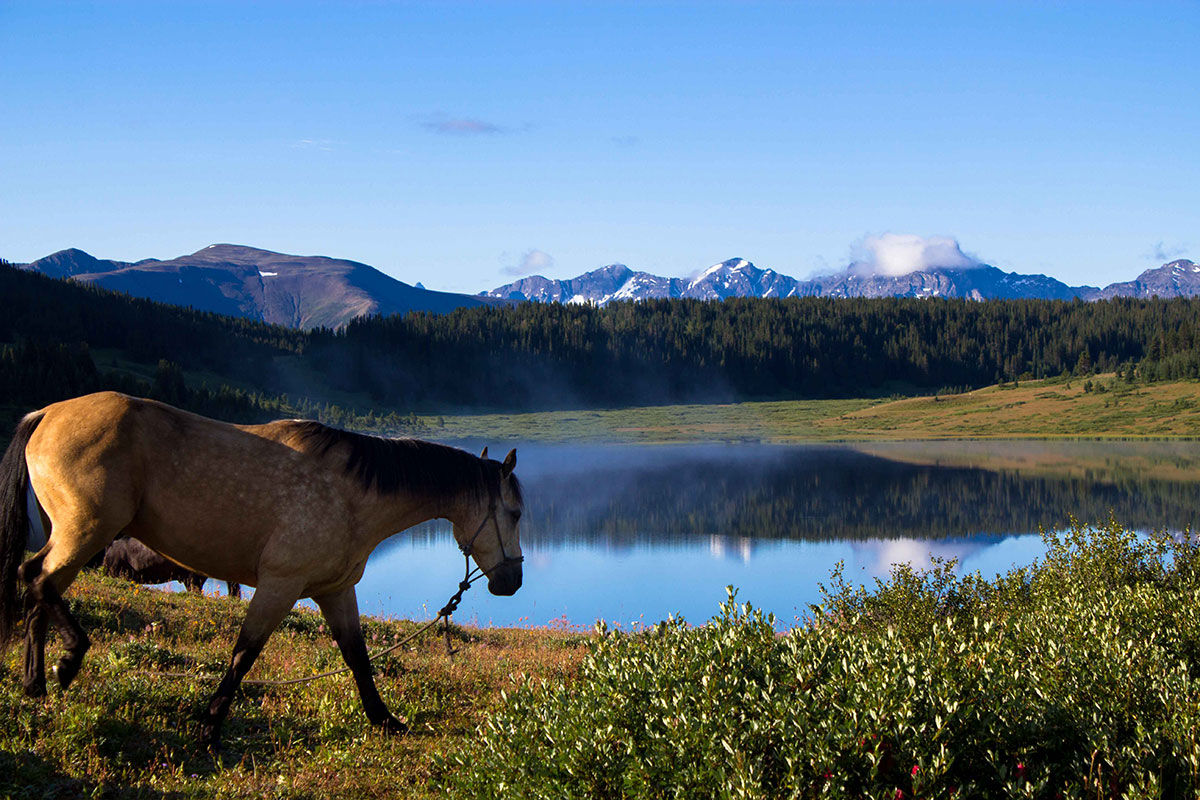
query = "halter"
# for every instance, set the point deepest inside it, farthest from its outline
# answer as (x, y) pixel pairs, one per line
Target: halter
(473, 574)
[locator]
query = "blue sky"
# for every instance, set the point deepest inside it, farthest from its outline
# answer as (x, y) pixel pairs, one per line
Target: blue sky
(459, 144)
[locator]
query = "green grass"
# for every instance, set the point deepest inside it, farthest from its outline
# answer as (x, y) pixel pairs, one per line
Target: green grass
(123, 731)
(734, 422)
(1077, 677)
(1053, 408)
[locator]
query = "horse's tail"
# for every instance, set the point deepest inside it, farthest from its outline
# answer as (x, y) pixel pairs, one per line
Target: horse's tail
(14, 523)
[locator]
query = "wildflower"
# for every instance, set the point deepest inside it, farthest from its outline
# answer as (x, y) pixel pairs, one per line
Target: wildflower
(899, 795)
(1020, 769)
(916, 768)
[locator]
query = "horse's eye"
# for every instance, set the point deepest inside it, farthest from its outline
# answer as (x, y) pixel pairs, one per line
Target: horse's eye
(516, 515)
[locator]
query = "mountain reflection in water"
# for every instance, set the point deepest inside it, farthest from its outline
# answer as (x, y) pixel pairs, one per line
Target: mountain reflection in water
(640, 532)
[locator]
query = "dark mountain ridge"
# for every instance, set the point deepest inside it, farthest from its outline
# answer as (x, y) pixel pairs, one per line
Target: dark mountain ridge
(297, 291)
(317, 291)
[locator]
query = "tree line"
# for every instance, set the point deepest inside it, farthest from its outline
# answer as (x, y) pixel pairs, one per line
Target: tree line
(538, 356)
(669, 351)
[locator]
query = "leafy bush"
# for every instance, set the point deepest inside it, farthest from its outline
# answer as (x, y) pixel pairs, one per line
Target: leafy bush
(1075, 676)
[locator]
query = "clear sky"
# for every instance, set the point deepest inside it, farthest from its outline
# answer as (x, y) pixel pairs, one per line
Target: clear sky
(458, 144)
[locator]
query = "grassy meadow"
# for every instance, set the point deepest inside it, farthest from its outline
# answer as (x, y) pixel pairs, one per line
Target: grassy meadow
(123, 731)
(1100, 406)
(1078, 676)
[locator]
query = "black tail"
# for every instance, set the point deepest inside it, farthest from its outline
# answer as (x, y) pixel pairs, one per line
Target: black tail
(14, 524)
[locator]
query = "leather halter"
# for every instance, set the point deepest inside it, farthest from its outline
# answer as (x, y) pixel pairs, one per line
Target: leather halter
(473, 574)
(491, 516)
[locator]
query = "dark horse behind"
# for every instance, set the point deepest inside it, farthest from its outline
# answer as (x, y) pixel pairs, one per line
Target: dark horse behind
(130, 559)
(292, 508)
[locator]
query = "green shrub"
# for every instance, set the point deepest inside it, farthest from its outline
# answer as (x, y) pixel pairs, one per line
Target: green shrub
(1075, 676)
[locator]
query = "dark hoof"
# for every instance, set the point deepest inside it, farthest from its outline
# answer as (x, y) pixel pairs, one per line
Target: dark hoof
(391, 726)
(65, 670)
(36, 689)
(210, 738)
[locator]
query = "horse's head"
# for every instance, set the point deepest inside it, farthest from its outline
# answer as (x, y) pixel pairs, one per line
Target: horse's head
(489, 532)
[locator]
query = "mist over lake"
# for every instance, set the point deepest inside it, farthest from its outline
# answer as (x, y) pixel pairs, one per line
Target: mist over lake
(633, 534)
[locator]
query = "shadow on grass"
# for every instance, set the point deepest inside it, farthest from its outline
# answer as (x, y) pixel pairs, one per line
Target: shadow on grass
(27, 775)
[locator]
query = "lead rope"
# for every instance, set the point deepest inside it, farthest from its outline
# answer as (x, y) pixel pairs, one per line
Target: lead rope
(445, 613)
(469, 577)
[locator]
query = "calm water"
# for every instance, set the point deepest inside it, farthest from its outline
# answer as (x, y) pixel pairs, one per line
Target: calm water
(633, 534)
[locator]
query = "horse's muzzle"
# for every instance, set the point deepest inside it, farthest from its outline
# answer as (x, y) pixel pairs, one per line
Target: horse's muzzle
(505, 579)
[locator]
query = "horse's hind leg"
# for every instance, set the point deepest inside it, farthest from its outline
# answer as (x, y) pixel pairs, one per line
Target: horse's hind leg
(34, 678)
(44, 603)
(47, 576)
(341, 612)
(75, 641)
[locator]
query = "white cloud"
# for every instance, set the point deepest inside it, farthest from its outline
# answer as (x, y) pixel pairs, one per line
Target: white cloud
(532, 262)
(901, 253)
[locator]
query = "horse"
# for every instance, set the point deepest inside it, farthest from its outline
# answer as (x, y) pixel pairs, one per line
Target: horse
(130, 559)
(291, 507)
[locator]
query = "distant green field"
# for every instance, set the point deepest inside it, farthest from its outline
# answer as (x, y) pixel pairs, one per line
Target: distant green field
(735, 422)
(1096, 407)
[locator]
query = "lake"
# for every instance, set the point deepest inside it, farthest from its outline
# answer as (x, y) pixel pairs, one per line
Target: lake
(632, 534)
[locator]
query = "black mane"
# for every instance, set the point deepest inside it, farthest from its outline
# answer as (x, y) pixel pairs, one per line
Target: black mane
(413, 465)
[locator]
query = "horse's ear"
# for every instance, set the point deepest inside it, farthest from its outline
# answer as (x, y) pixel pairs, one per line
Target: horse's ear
(510, 463)
(484, 453)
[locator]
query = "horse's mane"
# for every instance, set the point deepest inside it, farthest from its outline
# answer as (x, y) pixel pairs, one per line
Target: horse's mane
(413, 465)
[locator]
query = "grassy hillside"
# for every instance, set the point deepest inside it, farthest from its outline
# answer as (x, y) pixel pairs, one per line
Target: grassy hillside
(1100, 406)
(1097, 407)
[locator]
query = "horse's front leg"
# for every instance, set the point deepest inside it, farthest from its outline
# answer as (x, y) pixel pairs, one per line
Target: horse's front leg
(341, 612)
(268, 607)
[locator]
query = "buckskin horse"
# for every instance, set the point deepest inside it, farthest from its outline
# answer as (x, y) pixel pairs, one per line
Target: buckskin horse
(291, 507)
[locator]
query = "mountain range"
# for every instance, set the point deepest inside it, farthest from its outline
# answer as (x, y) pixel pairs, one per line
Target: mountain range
(318, 291)
(297, 291)
(737, 277)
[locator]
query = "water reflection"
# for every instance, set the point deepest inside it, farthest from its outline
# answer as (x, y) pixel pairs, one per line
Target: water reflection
(628, 533)
(644, 582)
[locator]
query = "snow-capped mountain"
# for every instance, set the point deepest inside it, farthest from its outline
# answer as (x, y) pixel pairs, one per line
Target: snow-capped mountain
(974, 283)
(600, 286)
(1175, 279)
(737, 277)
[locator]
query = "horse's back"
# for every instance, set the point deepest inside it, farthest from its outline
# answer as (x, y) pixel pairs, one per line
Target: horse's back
(207, 494)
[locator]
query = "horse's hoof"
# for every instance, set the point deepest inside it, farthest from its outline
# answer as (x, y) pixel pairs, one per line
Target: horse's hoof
(392, 726)
(35, 689)
(210, 739)
(65, 670)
